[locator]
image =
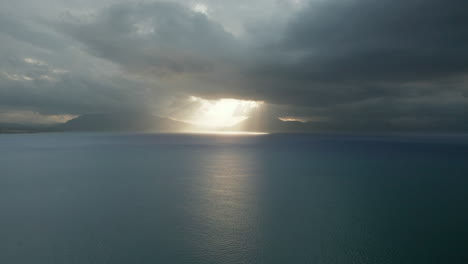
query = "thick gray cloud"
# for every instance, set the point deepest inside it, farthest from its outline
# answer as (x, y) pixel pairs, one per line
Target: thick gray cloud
(347, 64)
(374, 64)
(42, 71)
(158, 38)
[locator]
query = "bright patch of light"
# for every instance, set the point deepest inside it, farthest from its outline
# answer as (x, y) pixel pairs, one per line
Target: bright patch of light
(292, 119)
(303, 119)
(229, 133)
(201, 8)
(34, 62)
(222, 113)
(17, 77)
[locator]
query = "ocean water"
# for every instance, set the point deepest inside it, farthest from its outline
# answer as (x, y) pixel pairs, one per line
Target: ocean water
(148, 198)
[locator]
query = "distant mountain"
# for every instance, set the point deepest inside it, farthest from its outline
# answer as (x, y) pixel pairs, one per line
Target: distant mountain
(142, 122)
(124, 122)
(273, 125)
(149, 123)
(11, 128)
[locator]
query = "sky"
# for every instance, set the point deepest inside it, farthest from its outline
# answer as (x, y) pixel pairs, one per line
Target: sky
(364, 65)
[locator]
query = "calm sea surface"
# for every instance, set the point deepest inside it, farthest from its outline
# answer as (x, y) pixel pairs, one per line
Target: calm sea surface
(146, 198)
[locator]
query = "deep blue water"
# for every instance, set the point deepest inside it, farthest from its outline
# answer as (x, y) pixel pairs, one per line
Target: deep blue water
(142, 198)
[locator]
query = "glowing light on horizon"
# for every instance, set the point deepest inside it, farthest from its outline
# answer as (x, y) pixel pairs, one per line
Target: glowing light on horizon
(222, 113)
(292, 119)
(229, 133)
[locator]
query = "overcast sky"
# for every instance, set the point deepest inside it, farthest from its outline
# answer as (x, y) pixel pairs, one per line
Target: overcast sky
(366, 64)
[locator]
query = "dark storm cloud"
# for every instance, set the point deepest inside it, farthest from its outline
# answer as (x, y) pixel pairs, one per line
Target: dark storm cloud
(16, 29)
(158, 38)
(372, 64)
(68, 95)
(369, 41)
(44, 72)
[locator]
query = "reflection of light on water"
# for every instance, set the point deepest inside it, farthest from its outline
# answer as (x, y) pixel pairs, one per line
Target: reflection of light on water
(225, 211)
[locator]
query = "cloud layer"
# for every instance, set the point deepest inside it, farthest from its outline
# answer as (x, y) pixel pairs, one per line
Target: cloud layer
(352, 64)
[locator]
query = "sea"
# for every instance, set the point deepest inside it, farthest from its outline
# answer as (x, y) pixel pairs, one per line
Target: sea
(134, 198)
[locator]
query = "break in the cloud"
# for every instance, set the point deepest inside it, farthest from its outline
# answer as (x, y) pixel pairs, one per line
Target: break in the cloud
(344, 64)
